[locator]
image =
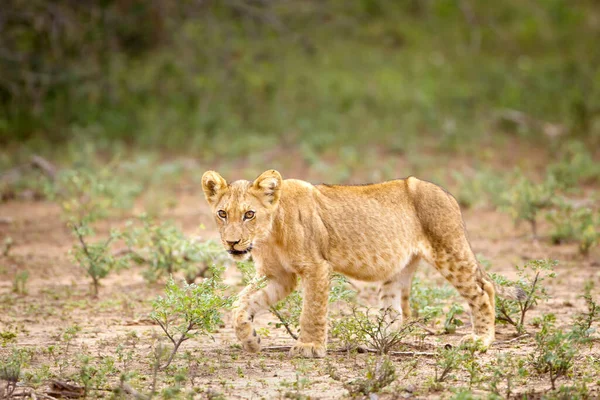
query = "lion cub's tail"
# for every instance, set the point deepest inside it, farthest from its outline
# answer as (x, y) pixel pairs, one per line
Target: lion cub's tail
(510, 292)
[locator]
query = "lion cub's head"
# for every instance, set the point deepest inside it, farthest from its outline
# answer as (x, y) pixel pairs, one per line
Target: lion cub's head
(243, 210)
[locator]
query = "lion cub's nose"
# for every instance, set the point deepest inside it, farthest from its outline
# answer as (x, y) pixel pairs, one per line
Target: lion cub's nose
(231, 244)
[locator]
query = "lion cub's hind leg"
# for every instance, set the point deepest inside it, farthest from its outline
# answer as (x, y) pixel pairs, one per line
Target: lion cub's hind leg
(394, 294)
(462, 270)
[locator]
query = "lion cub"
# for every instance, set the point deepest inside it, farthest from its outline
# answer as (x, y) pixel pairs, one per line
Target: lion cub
(375, 233)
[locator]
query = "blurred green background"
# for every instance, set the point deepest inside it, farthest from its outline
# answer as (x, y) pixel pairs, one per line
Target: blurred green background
(223, 79)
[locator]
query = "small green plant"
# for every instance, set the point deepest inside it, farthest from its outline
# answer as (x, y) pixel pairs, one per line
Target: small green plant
(524, 200)
(452, 322)
(191, 309)
(7, 245)
(554, 353)
(429, 301)
(166, 250)
(576, 166)
(93, 375)
(575, 224)
(7, 336)
(89, 194)
(380, 373)
(531, 278)
(376, 330)
(504, 371)
(85, 196)
(96, 258)
(478, 187)
(10, 373)
(583, 322)
(60, 353)
(448, 359)
(20, 283)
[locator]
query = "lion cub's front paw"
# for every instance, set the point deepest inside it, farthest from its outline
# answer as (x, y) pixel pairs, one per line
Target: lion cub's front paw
(480, 342)
(252, 343)
(244, 331)
(308, 350)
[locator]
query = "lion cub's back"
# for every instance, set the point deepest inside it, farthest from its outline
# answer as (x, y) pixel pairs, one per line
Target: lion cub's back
(395, 213)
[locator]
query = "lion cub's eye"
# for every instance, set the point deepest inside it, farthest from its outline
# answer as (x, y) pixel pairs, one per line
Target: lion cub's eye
(249, 215)
(222, 214)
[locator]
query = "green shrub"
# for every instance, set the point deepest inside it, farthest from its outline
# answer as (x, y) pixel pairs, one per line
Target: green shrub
(20, 282)
(478, 187)
(380, 373)
(554, 353)
(504, 371)
(531, 278)
(583, 328)
(579, 224)
(96, 258)
(576, 166)
(428, 301)
(452, 322)
(377, 330)
(524, 200)
(166, 250)
(10, 373)
(85, 196)
(88, 194)
(190, 310)
(447, 361)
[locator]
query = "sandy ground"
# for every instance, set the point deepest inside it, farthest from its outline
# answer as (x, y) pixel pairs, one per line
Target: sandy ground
(58, 297)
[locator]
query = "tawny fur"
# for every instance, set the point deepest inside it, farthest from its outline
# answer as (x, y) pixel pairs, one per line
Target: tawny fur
(376, 233)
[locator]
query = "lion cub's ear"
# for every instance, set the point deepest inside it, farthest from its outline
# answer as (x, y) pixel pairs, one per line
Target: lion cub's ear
(268, 184)
(213, 185)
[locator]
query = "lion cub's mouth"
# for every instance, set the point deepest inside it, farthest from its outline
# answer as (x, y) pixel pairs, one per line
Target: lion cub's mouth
(234, 252)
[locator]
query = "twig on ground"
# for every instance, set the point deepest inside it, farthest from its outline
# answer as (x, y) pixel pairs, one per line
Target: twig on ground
(516, 339)
(44, 165)
(360, 350)
(126, 388)
(284, 322)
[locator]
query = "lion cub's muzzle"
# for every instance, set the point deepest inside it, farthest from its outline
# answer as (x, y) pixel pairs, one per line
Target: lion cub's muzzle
(230, 247)
(235, 252)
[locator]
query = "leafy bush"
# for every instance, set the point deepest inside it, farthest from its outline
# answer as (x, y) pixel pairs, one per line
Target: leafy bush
(96, 258)
(166, 250)
(380, 373)
(85, 196)
(576, 166)
(190, 310)
(20, 282)
(478, 187)
(579, 224)
(554, 353)
(10, 373)
(524, 200)
(504, 371)
(531, 278)
(428, 301)
(448, 360)
(452, 322)
(376, 330)
(88, 194)
(583, 322)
